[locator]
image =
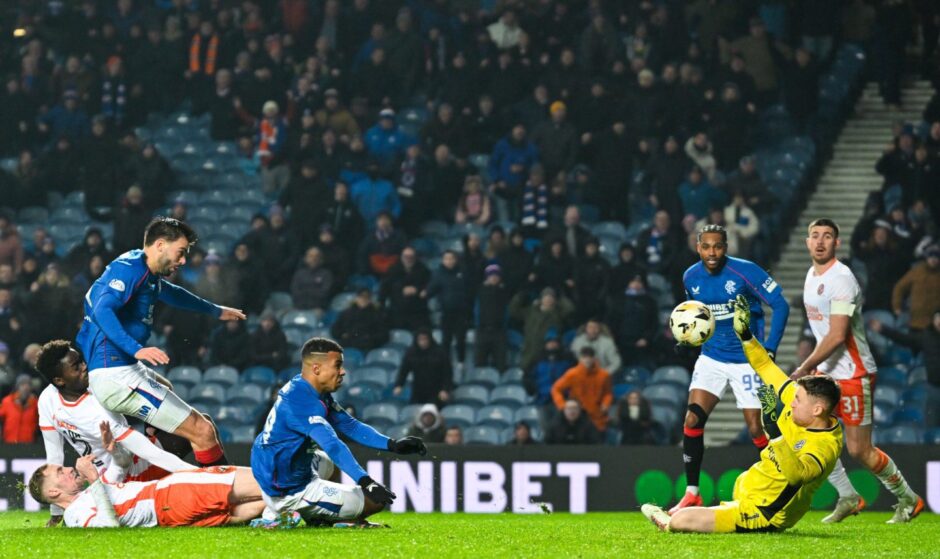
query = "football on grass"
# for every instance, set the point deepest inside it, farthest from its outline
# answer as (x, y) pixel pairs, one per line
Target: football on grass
(692, 323)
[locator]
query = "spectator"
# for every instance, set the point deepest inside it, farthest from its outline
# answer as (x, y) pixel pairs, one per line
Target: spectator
(336, 117)
(449, 285)
(251, 284)
(557, 141)
(67, 119)
(919, 289)
(637, 318)
(698, 195)
(405, 54)
(590, 385)
(897, 165)
(549, 366)
(304, 198)
(505, 32)
(884, 264)
(699, 149)
(521, 434)
(591, 280)
(271, 148)
(385, 141)
(7, 374)
(429, 365)
(401, 292)
(658, 244)
(746, 181)
(491, 316)
(50, 306)
(187, 335)
(83, 280)
(534, 200)
(572, 426)
(635, 419)
(486, 125)
(269, 344)
(453, 436)
(312, 284)
(11, 246)
(537, 318)
(596, 335)
(759, 51)
(626, 269)
(343, 218)
(19, 412)
(428, 425)
(11, 324)
(667, 170)
(81, 254)
(742, 225)
(380, 250)
(446, 181)
(130, 221)
(574, 235)
(335, 257)
(801, 89)
(926, 341)
(362, 324)
(508, 167)
(474, 204)
(214, 285)
(230, 344)
(608, 149)
(416, 189)
(445, 128)
(224, 122)
(374, 195)
(555, 269)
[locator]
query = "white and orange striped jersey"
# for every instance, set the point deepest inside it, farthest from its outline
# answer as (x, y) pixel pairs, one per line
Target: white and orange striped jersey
(836, 291)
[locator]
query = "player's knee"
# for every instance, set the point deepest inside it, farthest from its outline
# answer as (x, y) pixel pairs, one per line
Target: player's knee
(860, 450)
(696, 417)
(370, 507)
(204, 432)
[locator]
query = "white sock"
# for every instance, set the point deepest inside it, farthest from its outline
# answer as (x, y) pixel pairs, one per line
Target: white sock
(693, 489)
(892, 478)
(840, 480)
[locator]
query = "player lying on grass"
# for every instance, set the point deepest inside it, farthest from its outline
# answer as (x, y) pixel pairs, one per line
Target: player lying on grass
(205, 497)
(805, 442)
(68, 412)
(300, 428)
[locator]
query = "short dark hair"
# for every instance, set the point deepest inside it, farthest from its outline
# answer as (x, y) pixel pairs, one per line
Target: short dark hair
(35, 484)
(824, 388)
(319, 345)
(169, 229)
(49, 361)
(712, 228)
(823, 222)
(587, 351)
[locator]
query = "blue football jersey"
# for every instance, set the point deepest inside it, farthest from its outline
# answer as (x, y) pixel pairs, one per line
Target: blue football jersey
(737, 276)
(300, 421)
(119, 310)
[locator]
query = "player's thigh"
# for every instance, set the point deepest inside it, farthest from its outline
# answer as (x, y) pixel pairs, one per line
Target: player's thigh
(744, 383)
(707, 376)
(323, 467)
(195, 498)
(855, 404)
(245, 488)
(171, 413)
(740, 516)
(322, 499)
(113, 387)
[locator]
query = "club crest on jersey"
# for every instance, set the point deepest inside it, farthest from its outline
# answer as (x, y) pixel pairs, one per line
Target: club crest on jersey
(731, 287)
(820, 289)
(799, 444)
(696, 289)
(116, 285)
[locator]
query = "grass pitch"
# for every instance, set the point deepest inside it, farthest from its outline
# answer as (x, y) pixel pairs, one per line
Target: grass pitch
(462, 535)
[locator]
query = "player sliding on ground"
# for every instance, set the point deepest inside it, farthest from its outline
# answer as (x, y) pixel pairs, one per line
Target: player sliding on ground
(300, 429)
(118, 316)
(211, 496)
(68, 412)
(805, 442)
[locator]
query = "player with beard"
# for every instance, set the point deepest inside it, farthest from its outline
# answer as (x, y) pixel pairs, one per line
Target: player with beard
(118, 318)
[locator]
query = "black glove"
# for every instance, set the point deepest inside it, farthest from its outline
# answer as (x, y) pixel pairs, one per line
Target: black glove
(376, 493)
(770, 409)
(407, 445)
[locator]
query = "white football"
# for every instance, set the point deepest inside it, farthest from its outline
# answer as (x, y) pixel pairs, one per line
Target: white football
(692, 323)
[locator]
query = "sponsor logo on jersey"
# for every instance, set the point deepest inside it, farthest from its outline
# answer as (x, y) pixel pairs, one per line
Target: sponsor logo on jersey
(116, 285)
(731, 287)
(144, 411)
(812, 313)
(820, 289)
(769, 285)
(317, 419)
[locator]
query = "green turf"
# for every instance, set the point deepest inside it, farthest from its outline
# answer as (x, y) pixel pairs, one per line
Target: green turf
(622, 535)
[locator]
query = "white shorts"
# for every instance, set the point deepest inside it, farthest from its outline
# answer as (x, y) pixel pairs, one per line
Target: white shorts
(133, 390)
(321, 499)
(713, 376)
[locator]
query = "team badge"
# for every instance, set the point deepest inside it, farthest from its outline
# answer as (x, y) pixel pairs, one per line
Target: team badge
(799, 444)
(820, 289)
(731, 287)
(695, 290)
(116, 285)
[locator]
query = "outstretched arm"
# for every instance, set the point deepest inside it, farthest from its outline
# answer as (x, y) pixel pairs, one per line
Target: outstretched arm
(181, 298)
(139, 445)
(756, 355)
(357, 431)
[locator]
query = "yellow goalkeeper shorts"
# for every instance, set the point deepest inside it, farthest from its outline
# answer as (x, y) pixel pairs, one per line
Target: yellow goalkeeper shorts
(742, 515)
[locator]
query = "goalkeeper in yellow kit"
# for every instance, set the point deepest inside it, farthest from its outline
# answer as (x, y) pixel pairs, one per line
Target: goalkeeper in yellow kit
(805, 441)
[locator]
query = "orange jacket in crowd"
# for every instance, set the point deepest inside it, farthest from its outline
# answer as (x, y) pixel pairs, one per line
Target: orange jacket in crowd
(593, 389)
(19, 422)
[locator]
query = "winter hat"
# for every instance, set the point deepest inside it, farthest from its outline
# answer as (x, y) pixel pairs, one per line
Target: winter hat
(557, 106)
(492, 270)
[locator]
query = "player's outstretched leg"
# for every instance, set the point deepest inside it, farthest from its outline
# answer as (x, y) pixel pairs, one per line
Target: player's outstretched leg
(656, 515)
(858, 442)
(203, 436)
(701, 403)
(850, 502)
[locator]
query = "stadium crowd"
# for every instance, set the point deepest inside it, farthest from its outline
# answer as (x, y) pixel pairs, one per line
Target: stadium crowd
(508, 128)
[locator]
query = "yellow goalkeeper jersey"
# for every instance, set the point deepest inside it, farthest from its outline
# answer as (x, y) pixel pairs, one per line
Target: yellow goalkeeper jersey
(793, 467)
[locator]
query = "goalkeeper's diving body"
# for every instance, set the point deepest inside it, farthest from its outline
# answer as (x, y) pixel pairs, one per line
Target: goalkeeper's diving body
(805, 442)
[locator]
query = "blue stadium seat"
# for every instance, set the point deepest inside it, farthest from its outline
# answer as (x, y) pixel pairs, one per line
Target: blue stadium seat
(482, 434)
(908, 415)
(409, 413)
(387, 355)
(401, 338)
(352, 357)
(495, 415)
(221, 374)
(663, 393)
(917, 375)
(882, 413)
(207, 212)
(435, 229)
(182, 390)
(901, 434)
(636, 375)
(69, 214)
(208, 394)
(300, 318)
(472, 394)
(622, 389)
(243, 435)
(913, 397)
(529, 414)
(342, 300)
(512, 375)
(260, 375)
(296, 337)
(509, 394)
(398, 431)
(225, 436)
(932, 436)
(364, 393)
(613, 229)
(888, 395)
(381, 411)
(892, 376)
(667, 416)
(459, 415)
(674, 374)
(376, 376)
(185, 375)
(245, 395)
(287, 373)
(233, 416)
(486, 376)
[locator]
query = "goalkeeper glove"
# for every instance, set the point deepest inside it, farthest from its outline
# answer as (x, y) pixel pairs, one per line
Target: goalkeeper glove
(407, 445)
(376, 493)
(742, 318)
(770, 409)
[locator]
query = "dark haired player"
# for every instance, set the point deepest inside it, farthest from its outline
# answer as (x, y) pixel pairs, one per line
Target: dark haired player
(805, 442)
(118, 316)
(716, 281)
(293, 457)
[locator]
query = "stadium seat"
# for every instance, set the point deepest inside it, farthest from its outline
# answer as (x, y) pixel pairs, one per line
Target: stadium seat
(435, 229)
(386, 355)
(913, 397)
(225, 436)
(243, 435)
(636, 375)
(207, 211)
(613, 229)
(509, 394)
(674, 374)
(485, 376)
(482, 434)
(296, 337)
(245, 395)
(917, 375)
(287, 373)
(375, 376)
(185, 375)
(663, 393)
(221, 374)
(901, 434)
(207, 394)
(365, 393)
(69, 214)
(882, 413)
(621, 389)
(381, 411)
(341, 301)
(887, 394)
(403, 397)
(233, 416)
(495, 415)
(300, 318)
(352, 357)
(459, 415)
(892, 376)
(472, 394)
(529, 414)
(932, 436)
(181, 390)
(908, 415)
(260, 375)
(409, 413)
(667, 416)
(401, 338)
(512, 375)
